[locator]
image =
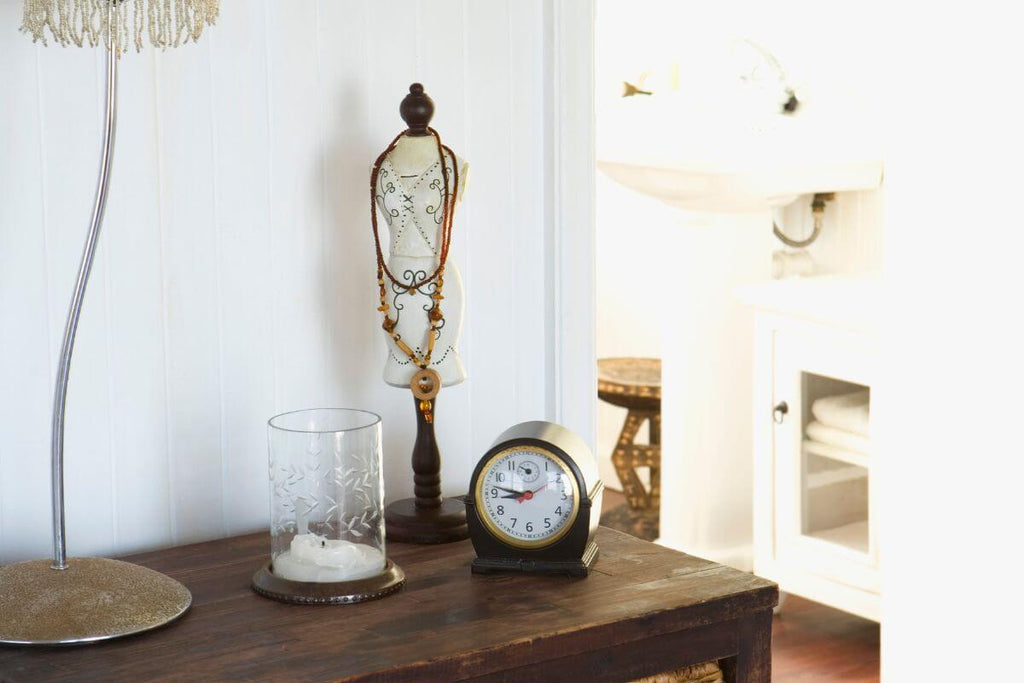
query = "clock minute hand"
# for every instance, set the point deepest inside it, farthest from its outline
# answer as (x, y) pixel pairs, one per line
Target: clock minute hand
(527, 495)
(507, 490)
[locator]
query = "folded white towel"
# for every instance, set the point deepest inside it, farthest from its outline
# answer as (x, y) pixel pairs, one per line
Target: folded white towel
(835, 453)
(840, 438)
(849, 412)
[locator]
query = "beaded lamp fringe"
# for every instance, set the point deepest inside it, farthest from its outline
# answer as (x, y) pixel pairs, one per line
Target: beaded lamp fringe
(160, 23)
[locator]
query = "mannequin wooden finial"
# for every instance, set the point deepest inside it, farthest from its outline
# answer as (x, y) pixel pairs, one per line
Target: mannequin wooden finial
(417, 109)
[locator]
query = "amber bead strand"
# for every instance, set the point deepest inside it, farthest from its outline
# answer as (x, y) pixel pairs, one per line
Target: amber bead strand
(447, 210)
(449, 199)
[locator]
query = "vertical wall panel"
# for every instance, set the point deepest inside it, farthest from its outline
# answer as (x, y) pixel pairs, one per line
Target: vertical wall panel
(297, 234)
(132, 248)
(189, 209)
(235, 275)
(25, 363)
(241, 138)
(527, 179)
(352, 361)
(490, 277)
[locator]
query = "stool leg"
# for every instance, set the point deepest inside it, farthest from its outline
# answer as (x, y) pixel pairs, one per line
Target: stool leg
(623, 461)
(655, 459)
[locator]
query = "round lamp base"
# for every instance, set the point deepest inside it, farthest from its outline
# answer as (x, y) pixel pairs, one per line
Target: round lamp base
(387, 582)
(93, 599)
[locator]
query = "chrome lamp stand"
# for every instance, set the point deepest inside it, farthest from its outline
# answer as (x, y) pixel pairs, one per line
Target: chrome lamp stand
(82, 600)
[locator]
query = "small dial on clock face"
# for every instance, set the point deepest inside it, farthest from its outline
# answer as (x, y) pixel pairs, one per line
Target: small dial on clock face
(528, 471)
(527, 496)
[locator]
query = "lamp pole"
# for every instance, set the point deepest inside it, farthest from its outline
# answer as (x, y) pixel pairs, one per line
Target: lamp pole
(75, 310)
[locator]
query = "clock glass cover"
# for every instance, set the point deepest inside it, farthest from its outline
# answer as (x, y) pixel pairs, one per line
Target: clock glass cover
(528, 497)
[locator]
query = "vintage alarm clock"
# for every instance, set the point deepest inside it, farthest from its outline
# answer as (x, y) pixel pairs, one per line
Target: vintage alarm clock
(535, 502)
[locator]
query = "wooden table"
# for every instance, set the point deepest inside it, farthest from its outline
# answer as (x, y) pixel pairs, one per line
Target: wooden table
(644, 609)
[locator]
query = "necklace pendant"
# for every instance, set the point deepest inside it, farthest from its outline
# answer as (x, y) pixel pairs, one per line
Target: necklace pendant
(425, 385)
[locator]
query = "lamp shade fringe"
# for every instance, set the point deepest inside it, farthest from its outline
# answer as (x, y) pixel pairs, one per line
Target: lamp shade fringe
(160, 23)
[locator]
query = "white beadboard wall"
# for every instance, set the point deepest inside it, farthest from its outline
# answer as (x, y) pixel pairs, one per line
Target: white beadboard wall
(235, 276)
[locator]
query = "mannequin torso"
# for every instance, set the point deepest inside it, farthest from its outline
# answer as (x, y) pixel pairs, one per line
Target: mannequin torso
(409, 195)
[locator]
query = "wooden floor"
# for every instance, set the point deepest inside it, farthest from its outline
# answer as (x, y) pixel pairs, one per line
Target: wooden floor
(812, 642)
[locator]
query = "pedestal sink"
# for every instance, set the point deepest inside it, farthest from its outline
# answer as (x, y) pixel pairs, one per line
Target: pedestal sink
(729, 161)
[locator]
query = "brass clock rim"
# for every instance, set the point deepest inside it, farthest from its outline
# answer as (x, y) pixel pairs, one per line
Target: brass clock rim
(497, 531)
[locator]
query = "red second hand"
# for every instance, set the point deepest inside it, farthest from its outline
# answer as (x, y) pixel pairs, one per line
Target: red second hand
(527, 495)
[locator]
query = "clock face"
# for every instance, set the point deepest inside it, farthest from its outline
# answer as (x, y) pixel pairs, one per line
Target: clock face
(527, 496)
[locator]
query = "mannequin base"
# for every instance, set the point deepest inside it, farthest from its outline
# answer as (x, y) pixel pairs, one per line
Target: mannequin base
(406, 523)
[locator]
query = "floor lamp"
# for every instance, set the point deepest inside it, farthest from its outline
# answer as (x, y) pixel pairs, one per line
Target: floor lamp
(81, 600)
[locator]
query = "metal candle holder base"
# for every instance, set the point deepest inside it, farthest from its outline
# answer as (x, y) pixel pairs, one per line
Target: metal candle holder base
(93, 599)
(387, 582)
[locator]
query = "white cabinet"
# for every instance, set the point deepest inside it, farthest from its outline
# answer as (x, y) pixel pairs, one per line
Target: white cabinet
(814, 509)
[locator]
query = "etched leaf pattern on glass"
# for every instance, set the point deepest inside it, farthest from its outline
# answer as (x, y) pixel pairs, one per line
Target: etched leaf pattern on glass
(334, 490)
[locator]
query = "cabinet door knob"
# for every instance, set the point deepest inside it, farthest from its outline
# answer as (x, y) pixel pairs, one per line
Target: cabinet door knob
(779, 412)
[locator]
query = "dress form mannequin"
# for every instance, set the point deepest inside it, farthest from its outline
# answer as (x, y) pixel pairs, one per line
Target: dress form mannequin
(409, 193)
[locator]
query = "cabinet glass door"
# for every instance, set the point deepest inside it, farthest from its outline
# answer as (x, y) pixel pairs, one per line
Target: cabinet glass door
(823, 460)
(835, 453)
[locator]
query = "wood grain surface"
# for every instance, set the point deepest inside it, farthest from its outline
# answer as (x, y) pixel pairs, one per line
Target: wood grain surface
(643, 609)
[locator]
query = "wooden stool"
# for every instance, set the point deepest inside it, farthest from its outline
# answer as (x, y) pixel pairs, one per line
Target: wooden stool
(635, 384)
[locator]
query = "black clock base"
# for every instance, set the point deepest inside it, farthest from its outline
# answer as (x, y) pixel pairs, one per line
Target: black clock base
(579, 568)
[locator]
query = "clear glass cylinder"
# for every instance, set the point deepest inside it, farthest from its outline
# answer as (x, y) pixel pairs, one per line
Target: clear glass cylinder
(326, 495)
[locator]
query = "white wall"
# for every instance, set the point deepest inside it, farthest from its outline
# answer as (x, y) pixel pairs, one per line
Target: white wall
(952, 504)
(235, 276)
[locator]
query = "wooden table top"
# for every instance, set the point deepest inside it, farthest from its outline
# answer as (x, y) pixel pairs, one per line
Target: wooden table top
(446, 624)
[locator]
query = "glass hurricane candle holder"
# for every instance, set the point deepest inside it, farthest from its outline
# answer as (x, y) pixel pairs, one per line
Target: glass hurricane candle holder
(327, 539)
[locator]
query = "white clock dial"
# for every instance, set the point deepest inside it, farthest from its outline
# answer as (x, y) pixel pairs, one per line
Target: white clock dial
(527, 496)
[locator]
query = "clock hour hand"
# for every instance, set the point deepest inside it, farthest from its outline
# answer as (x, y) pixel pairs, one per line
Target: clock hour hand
(527, 495)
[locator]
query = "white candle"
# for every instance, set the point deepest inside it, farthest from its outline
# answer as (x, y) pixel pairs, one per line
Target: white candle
(322, 560)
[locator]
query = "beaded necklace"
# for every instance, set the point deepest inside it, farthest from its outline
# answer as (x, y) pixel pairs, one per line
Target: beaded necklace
(426, 383)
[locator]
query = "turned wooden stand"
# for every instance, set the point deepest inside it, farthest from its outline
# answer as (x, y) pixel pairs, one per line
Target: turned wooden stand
(429, 517)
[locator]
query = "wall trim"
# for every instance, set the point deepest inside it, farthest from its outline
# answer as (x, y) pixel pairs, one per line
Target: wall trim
(571, 267)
